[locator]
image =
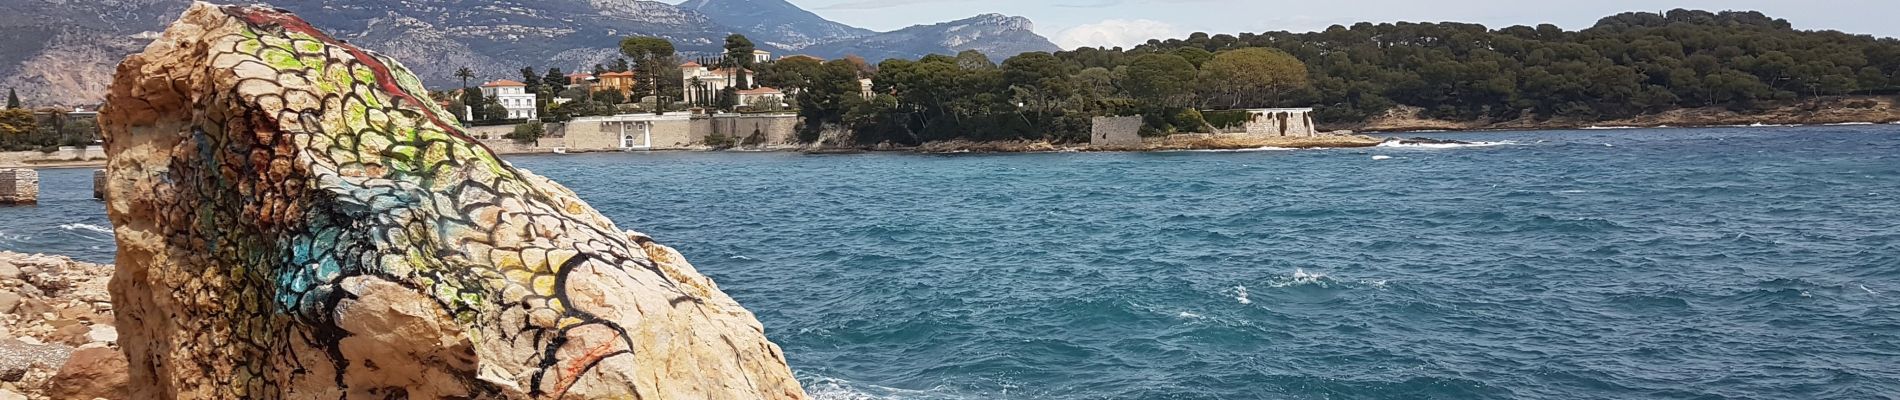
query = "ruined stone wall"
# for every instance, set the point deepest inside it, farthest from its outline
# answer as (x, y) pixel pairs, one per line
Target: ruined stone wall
(19, 185)
(591, 135)
(766, 129)
(676, 134)
(1281, 122)
(63, 155)
(1115, 132)
(508, 146)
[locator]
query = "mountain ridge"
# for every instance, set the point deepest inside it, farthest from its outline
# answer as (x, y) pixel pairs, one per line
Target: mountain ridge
(64, 52)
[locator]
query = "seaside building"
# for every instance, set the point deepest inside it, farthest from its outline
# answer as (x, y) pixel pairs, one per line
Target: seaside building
(513, 96)
(580, 78)
(760, 56)
(617, 81)
(645, 131)
(701, 83)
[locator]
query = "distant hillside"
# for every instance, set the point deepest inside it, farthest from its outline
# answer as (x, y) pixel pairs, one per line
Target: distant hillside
(64, 51)
(775, 22)
(996, 35)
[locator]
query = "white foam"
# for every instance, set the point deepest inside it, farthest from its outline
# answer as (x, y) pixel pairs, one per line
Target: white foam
(1851, 124)
(86, 227)
(1268, 148)
(1869, 291)
(1240, 294)
(1610, 127)
(828, 388)
(1189, 315)
(1381, 158)
(742, 258)
(1301, 277)
(1396, 144)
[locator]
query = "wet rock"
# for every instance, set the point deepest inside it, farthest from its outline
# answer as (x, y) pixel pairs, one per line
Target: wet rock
(97, 373)
(280, 189)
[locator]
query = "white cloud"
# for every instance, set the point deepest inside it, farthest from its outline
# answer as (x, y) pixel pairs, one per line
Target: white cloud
(1115, 32)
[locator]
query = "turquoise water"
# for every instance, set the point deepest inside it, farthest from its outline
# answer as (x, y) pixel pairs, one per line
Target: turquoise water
(1672, 264)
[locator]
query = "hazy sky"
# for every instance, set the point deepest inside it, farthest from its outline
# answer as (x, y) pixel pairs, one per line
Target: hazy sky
(1072, 23)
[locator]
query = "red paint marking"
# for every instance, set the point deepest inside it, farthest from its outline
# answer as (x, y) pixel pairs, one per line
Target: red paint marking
(573, 372)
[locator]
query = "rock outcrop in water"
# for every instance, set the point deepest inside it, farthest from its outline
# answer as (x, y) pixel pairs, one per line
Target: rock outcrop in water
(297, 219)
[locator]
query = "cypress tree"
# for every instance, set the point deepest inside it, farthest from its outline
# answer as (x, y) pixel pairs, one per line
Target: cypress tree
(13, 100)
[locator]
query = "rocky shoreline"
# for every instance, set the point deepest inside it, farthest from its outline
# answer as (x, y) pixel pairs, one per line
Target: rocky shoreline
(1818, 111)
(57, 335)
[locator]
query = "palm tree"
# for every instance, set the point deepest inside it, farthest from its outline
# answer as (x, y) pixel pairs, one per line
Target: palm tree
(465, 74)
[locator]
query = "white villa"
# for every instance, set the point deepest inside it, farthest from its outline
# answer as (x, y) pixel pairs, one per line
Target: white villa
(513, 96)
(700, 81)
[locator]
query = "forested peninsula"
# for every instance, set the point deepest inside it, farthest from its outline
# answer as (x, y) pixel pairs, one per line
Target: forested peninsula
(1682, 66)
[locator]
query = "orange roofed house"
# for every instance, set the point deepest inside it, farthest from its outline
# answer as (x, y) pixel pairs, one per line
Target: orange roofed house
(618, 81)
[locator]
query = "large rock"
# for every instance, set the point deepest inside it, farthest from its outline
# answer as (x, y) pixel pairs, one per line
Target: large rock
(297, 219)
(98, 373)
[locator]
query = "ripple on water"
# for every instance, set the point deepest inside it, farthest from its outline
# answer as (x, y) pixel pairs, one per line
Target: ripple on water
(1669, 264)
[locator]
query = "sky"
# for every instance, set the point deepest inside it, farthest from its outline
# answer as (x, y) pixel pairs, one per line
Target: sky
(1076, 23)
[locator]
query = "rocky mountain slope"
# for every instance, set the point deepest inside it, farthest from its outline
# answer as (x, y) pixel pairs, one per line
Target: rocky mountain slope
(776, 22)
(64, 51)
(999, 36)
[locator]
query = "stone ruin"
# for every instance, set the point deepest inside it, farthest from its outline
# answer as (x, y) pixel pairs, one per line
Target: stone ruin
(1115, 132)
(19, 186)
(1279, 122)
(296, 219)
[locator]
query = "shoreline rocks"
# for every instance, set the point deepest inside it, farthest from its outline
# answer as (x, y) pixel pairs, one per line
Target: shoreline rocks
(52, 308)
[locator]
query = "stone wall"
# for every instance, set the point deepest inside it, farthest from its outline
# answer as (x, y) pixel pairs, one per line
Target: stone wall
(1115, 132)
(490, 132)
(19, 186)
(99, 184)
(62, 156)
(1280, 122)
(762, 129)
(676, 131)
(508, 146)
(672, 131)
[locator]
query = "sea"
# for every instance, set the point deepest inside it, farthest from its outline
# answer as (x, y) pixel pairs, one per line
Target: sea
(1717, 263)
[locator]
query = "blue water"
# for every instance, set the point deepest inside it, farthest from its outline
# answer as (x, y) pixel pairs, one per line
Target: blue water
(1670, 264)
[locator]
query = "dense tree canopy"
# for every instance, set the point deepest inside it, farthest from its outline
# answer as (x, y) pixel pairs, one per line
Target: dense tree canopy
(1625, 65)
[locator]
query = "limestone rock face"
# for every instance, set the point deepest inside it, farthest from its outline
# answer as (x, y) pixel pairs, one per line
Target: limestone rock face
(297, 219)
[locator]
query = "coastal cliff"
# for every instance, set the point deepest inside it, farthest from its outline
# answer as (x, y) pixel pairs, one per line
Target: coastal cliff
(296, 219)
